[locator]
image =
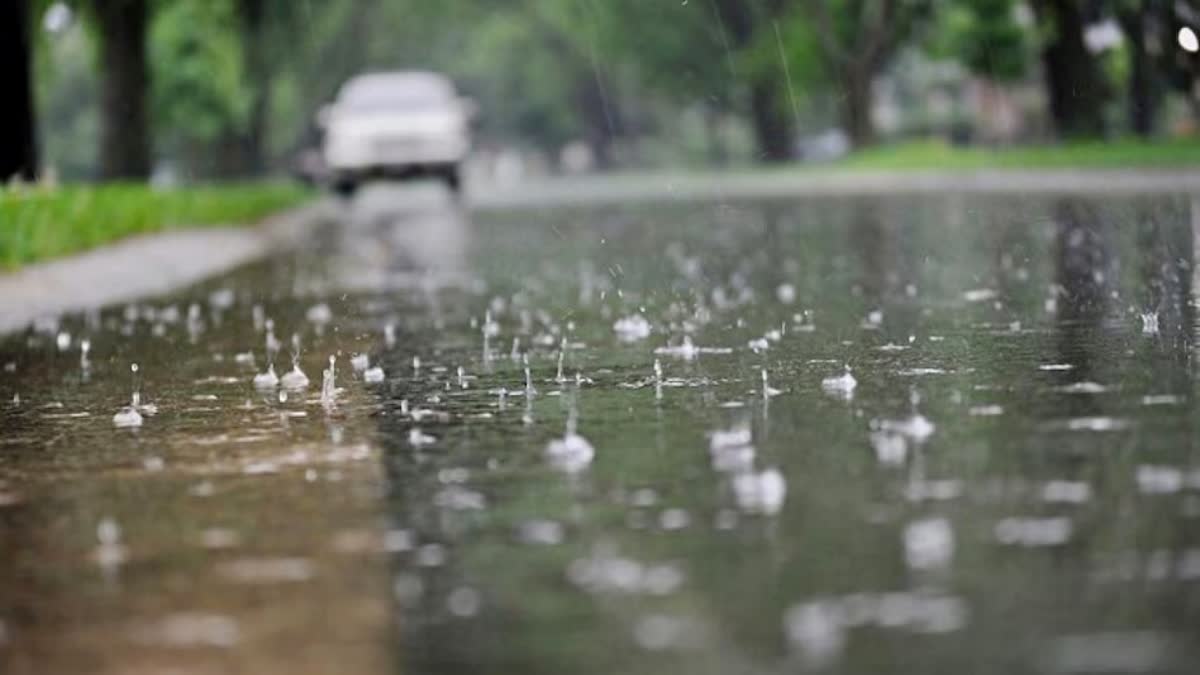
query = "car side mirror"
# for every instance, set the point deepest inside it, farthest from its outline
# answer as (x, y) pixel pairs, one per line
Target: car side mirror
(324, 114)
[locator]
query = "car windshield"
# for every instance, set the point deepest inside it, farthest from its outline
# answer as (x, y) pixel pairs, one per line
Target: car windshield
(376, 93)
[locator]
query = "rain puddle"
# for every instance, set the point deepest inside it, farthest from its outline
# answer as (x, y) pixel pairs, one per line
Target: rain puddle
(753, 437)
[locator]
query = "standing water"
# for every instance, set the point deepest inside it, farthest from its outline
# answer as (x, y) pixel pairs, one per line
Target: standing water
(1011, 486)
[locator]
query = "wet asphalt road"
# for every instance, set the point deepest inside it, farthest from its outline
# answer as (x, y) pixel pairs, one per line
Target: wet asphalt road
(954, 433)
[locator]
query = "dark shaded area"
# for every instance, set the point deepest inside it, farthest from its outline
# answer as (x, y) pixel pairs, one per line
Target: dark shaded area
(18, 135)
(1143, 23)
(1074, 85)
(253, 17)
(125, 134)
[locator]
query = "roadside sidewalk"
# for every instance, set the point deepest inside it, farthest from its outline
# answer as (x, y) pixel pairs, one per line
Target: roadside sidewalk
(144, 266)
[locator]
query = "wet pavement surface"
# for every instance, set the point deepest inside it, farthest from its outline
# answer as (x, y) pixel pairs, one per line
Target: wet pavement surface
(940, 434)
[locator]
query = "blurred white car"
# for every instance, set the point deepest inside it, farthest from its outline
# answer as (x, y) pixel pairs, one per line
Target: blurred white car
(395, 125)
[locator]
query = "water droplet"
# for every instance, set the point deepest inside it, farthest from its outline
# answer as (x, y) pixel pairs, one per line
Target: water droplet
(928, 543)
(632, 328)
(572, 453)
(464, 602)
(1150, 323)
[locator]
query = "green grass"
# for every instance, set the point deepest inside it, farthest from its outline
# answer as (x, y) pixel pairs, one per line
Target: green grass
(38, 224)
(1117, 154)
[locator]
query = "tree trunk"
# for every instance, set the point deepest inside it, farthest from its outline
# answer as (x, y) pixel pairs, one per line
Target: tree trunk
(856, 109)
(601, 120)
(1073, 80)
(18, 140)
(257, 72)
(1145, 91)
(772, 127)
(124, 87)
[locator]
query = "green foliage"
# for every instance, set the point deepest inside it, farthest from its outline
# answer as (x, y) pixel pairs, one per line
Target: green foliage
(510, 55)
(533, 65)
(678, 49)
(788, 46)
(199, 92)
(986, 37)
(37, 224)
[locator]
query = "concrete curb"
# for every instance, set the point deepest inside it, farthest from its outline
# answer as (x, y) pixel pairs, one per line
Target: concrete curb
(144, 266)
(781, 184)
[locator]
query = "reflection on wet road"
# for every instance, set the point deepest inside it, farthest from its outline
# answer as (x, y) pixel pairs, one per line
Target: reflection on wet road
(827, 434)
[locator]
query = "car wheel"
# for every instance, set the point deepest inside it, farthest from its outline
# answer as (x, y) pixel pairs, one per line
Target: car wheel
(345, 187)
(453, 179)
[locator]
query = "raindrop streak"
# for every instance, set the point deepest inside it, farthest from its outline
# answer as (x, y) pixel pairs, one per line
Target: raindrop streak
(767, 390)
(127, 417)
(131, 415)
(490, 328)
(562, 350)
(328, 387)
(272, 344)
(529, 390)
(787, 74)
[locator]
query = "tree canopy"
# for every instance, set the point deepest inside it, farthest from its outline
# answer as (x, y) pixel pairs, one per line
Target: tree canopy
(231, 87)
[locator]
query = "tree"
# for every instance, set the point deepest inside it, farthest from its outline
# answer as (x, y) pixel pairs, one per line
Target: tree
(1157, 62)
(743, 23)
(200, 96)
(1182, 68)
(18, 146)
(1074, 83)
(1142, 22)
(858, 39)
(554, 54)
(252, 14)
(590, 92)
(268, 29)
(125, 146)
(986, 37)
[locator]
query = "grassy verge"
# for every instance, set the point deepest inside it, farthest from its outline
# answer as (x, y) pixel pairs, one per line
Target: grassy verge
(1117, 154)
(37, 224)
